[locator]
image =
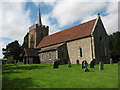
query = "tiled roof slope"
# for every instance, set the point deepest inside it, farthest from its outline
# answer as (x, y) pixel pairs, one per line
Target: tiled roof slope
(72, 33)
(31, 52)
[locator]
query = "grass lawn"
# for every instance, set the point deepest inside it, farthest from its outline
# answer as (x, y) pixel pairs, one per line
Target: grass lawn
(44, 76)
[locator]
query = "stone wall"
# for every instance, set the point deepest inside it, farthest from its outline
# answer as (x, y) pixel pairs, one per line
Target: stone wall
(47, 57)
(74, 50)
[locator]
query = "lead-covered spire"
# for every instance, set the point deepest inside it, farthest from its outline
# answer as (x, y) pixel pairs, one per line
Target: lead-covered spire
(39, 17)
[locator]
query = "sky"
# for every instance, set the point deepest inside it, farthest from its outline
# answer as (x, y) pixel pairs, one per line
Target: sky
(16, 16)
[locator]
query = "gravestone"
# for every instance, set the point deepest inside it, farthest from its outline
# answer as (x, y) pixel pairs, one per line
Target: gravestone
(15, 62)
(56, 64)
(110, 60)
(86, 69)
(82, 66)
(77, 61)
(92, 63)
(85, 65)
(69, 65)
(101, 65)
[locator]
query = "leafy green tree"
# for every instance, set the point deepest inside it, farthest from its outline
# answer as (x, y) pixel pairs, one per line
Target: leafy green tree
(12, 49)
(114, 45)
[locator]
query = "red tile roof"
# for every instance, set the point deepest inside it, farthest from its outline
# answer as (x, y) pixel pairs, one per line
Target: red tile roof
(72, 33)
(31, 52)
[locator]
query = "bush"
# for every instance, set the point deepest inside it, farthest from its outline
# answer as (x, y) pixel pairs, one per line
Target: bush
(19, 63)
(10, 60)
(119, 62)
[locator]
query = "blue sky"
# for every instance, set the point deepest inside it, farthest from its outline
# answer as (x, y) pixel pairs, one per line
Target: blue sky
(58, 15)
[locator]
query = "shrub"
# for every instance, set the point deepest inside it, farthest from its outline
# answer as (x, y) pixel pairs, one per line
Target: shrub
(19, 63)
(119, 62)
(10, 60)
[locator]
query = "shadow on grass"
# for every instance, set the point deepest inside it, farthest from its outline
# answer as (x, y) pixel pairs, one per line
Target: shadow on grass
(10, 72)
(119, 76)
(8, 83)
(8, 65)
(23, 67)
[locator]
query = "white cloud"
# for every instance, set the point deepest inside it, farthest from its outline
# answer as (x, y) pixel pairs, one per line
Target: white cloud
(15, 20)
(52, 27)
(12, 0)
(68, 12)
(111, 22)
(47, 2)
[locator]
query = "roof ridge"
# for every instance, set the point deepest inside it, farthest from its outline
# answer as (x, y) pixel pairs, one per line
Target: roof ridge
(72, 27)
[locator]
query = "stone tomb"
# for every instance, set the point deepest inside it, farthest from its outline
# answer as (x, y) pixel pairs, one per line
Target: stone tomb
(101, 65)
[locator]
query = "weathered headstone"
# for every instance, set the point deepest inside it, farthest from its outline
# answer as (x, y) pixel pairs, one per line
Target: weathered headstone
(86, 69)
(92, 63)
(101, 65)
(82, 66)
(56, 64)
(69, 64)
(85, 65)
(77, 61)
(15, 62)
(110, 60)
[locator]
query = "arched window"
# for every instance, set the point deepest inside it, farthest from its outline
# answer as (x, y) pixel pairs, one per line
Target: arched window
(49, 56)
(42, 56)
(63, 54)
(100, 39)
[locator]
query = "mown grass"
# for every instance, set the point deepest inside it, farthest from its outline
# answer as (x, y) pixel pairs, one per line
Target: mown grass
(44, 76)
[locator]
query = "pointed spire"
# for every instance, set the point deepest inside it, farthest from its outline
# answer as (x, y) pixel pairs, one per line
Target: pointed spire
(39, 17)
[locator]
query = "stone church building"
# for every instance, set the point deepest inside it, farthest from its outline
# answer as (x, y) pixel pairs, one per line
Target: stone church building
(85, 42)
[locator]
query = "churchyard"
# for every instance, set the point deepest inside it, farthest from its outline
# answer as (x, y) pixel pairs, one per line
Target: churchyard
(44, 76)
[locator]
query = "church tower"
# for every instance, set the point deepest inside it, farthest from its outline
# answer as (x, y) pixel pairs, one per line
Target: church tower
(37, 32)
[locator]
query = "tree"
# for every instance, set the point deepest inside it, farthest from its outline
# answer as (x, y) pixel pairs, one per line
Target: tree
(12, 49)
(10, 59)
(114, 45)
